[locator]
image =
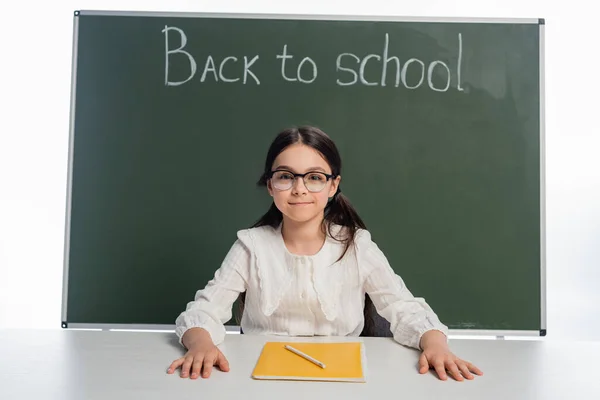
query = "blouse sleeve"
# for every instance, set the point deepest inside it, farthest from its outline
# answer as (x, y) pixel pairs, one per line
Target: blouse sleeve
(410, 317)
(212, 305)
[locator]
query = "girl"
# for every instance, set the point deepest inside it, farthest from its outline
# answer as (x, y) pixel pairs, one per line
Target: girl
(305, 268)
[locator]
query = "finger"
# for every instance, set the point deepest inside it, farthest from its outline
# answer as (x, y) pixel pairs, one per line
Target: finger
(451, 366)
(464, 369)
(222, 362)
(423, 364)
(474, 369)
(196, 366)
(185, 369)
(174, 365)
(440, 369)
(207, 366)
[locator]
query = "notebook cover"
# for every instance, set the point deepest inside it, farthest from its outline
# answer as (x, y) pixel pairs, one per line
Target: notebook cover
(345, 362)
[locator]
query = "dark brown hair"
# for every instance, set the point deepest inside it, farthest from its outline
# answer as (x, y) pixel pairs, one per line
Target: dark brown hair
(338, 211)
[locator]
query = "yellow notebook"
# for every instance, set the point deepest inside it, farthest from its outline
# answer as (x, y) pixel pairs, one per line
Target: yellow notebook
(344, 362)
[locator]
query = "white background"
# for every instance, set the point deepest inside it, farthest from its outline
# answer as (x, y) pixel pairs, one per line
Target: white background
(35, 69)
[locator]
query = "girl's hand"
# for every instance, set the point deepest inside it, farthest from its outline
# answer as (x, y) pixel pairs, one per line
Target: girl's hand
(201, 356)
(197, 359)
(438, 356)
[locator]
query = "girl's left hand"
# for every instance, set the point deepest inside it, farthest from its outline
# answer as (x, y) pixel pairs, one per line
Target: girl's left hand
(438, 356)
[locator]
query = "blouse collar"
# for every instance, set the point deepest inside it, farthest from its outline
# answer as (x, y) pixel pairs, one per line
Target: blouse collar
(327, 254)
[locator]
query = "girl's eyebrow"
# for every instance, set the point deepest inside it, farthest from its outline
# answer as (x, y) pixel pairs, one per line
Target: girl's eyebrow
(288, 168)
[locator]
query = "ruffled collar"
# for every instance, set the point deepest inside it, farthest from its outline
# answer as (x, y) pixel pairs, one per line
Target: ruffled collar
(322, 257)
(275, 264)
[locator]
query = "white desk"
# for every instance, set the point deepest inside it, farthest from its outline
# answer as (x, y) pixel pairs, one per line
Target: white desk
(89, 365)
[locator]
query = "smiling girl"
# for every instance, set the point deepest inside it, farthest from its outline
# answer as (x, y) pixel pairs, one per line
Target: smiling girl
(305, 268)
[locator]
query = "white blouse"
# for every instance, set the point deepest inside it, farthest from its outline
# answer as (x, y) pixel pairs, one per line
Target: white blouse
(294, 295)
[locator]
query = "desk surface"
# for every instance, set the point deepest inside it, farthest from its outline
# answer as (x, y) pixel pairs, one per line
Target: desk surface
(64, 364)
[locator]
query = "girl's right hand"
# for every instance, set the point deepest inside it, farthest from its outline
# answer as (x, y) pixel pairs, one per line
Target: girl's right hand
(200, 358)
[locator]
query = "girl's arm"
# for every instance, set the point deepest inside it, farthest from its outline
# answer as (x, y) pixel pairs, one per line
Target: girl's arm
(410, 317)
(412, 321)
(211, 307)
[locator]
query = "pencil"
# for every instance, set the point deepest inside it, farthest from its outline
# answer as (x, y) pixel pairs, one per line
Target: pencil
(305, 356)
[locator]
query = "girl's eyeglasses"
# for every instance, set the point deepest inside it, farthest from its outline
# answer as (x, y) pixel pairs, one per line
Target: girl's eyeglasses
(314, 181)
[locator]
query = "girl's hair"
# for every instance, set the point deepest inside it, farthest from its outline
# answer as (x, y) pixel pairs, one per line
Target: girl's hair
(338, 211)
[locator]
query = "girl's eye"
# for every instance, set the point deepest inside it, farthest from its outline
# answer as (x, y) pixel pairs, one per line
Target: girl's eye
(284, 176)
(316, 177)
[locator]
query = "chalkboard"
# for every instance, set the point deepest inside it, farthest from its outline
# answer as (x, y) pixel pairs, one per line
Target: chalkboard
(439, 124)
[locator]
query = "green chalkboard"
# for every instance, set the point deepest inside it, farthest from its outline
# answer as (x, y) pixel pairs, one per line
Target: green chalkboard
(438, 124)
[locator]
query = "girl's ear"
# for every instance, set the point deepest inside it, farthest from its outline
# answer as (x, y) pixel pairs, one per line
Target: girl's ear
(269, 188)
(334, 185)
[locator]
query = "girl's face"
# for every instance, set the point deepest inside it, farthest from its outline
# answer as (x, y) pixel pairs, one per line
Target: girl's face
(298, 203)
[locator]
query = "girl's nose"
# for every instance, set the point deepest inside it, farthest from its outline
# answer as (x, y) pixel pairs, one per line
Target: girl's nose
(298, 185)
